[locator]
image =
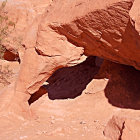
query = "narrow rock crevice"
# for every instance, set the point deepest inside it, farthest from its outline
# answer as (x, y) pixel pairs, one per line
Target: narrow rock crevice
(121, 130)
(11, 56)
(34, 97)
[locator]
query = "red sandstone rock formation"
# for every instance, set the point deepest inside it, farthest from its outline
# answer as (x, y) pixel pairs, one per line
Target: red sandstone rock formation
(52, 35)
(124, 126)
(103, 29)
(8, 72)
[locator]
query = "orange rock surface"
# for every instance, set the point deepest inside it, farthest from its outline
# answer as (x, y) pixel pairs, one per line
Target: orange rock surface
(59, 89)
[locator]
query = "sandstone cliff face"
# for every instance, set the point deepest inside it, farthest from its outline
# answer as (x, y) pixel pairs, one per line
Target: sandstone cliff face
(8, 72)
(52, 34)
(22, 13)
(135, 15)
(102, 28)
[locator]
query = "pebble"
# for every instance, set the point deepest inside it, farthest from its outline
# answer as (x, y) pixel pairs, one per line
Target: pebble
(82, 122)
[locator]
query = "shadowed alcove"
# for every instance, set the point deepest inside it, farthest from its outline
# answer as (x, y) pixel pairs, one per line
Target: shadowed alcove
(69, 82)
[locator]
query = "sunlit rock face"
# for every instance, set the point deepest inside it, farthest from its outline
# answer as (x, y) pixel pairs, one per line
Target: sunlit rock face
(62, 38)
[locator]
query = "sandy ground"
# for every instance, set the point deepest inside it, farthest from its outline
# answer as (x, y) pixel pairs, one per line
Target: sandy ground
(81, 118)
(84, 117)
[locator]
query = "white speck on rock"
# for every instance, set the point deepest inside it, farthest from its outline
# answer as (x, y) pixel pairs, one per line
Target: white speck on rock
(22, 137)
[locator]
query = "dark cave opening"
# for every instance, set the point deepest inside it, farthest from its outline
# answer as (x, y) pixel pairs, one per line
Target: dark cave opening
(122, 89)
(69, 82)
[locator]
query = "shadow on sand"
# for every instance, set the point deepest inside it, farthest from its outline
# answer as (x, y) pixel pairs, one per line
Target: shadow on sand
(122, 90)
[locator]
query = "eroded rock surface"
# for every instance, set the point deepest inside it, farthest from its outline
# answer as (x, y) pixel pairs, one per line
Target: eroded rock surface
(135, 15)
(124, 125)
(103, 29)
(50, 35)
(8, 72)
(22, 13)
